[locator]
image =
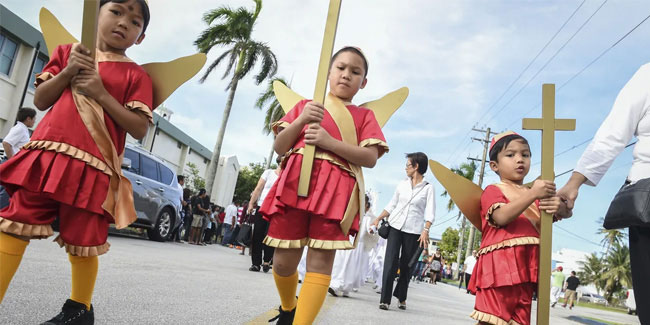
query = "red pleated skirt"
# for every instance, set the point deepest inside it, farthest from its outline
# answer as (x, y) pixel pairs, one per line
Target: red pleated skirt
(506, 267)
(329, 191)
(59, 176)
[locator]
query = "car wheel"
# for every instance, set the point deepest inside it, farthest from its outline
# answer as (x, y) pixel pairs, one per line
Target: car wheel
(162, 229)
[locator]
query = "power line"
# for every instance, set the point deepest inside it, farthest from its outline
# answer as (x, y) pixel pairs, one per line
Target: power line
(578, 236)
(567, 150)
(548, 61)
(586, 66)
(570, 170)
(532, 61)
(446, 220)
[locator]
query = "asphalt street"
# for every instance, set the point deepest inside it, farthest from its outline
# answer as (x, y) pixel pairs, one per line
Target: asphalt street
(145, 282)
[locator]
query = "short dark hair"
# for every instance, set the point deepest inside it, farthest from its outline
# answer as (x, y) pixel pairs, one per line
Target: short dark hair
(278, 160)
(201, 191)
(418, 158)
(180, 178)
(503, 143)
(573, 272)
(25, 113)
(355, 51)
(146, 15)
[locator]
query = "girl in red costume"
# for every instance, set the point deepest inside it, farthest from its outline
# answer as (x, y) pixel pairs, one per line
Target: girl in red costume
(505, 275)
(315, 221)
(71, 167)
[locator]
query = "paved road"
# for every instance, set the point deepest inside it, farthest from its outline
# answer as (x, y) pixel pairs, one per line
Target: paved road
(144, 282)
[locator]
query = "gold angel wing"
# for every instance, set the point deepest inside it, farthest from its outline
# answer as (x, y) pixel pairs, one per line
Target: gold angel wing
(462, 191)
(53, 32)
(166, 77)
(385, 107)
(286, 97)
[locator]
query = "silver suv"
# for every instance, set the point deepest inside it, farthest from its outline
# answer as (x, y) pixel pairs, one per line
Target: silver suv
(155, 193)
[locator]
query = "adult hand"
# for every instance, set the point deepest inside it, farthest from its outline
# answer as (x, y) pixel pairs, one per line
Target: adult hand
(424, 239)
(570, 194)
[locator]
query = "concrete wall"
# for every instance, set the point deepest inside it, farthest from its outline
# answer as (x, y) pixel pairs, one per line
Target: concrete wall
(225, 181)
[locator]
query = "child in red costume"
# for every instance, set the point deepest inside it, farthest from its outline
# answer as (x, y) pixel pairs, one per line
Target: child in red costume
(316, 221)
(71, 167)
(505, 275)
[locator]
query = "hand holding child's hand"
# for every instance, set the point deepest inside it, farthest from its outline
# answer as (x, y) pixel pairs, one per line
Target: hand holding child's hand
(78, 60)
(312, 113)
(543, 189)
(316, 135)
(551, 205)
(89, 83)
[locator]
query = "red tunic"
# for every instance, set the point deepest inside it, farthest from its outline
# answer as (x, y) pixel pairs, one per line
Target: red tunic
(331, 185)
(508, 255)
(58, 166)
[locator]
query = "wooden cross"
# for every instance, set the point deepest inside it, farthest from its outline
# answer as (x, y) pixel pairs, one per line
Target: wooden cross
(321, 88)
(89, 25)
(548, 125)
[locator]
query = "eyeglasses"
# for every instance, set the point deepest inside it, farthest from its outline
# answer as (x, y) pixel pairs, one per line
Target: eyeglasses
(408, 165)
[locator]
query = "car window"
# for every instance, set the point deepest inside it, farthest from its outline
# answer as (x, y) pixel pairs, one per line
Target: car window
(166, 175)
(135, 160)
(149, 168)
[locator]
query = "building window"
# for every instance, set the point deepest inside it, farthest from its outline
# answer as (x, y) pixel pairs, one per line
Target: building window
(38, 68)
(8, 49)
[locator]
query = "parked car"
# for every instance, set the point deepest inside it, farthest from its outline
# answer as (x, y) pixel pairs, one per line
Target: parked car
(155, 193)
(593, 298)
(630, 303)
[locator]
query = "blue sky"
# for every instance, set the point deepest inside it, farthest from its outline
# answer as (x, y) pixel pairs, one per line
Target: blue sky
(457, 58)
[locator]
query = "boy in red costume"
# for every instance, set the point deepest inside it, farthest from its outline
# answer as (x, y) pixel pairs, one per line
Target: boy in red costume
(324, 220)
(71, 168)
(505, 275)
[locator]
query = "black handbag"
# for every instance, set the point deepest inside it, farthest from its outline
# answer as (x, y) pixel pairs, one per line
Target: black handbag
(245, 233)
(630, 206)
(383, 230)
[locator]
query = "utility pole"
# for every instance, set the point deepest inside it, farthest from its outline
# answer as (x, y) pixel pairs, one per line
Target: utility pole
(486, 145)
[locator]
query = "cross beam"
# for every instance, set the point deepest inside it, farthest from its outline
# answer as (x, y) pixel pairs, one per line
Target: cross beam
(321, 88)
(548, 125)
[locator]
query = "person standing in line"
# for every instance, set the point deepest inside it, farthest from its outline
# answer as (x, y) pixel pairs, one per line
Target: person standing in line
(410, 214)
(229, 223)
(187, 213)
(197, 221)
(262, 253)
(556, 285)
(571, 285)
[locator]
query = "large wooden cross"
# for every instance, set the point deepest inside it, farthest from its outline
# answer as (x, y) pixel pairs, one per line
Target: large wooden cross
(321, 88)
(548, 125)
(89, 25)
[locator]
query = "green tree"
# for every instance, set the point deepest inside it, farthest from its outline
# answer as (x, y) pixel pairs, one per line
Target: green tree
(247, 180)
(195, 181)
(617, 273)
(274, 111)
(467, 170)
(449, 244)
(233, 28)
(612, 238)
(591, 270)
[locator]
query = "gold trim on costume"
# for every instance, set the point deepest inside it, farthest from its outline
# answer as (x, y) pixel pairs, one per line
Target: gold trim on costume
(490, 212)
(490, 319)
(140, 107)
(23, 229)
(372, 141)
(42, 77)
(323, 155)
(330, 244)
(285, 243)
(279, 124)
(83, 251)
(71, 151)
(510, 243)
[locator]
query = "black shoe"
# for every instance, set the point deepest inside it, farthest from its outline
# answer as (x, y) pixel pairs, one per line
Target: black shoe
(284, 317)
(332, 292)
(254, 268)
(266, 268)
(73, 313)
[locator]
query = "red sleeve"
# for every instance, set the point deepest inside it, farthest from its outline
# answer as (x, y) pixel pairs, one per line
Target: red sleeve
(293, 114)
(139, 95)
(491, 199)
(58, 61)
(370, 133)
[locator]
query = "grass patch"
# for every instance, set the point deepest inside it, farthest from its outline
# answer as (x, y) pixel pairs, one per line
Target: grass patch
(602, 321)
(448, 281)
(597, 306)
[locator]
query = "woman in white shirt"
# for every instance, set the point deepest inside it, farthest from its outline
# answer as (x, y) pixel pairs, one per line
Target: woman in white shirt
(629, 117)
(410, 215)
(261, 226)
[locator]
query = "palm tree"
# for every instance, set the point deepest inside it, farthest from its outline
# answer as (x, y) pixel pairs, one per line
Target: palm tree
(232, 28)
(274, 111)
(591, 270)
(613, 237)
(466, 170)
(618, 273)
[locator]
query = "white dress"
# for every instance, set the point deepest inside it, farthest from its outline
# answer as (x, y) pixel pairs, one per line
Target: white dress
(376, 265)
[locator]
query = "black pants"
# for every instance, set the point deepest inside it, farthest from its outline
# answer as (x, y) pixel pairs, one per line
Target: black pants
(467, 278)
(258, 248)
(408, 244)
(640, 263)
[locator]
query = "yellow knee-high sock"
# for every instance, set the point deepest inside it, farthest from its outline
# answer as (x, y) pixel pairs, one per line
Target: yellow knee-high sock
(287, 290)
(311, 298)
(84, 274)
(11, 252)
